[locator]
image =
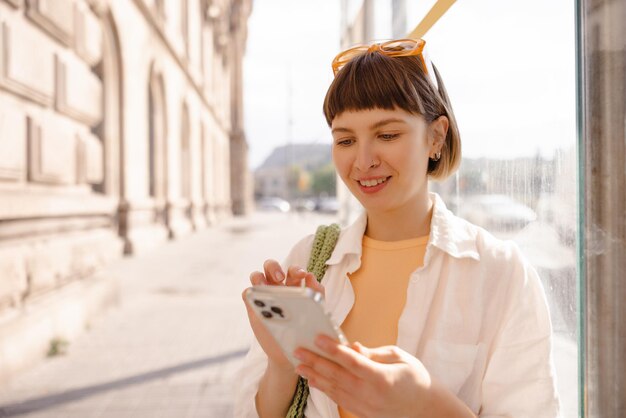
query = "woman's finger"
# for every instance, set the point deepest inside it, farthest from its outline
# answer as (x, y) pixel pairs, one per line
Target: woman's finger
(358, 403)
(295, 274)
(386, 354)
(340, 395)
(257, 278)
(312, 282)
(248, 308)
(346, 357)
(273, 272)
(327, 375)
(359, 348)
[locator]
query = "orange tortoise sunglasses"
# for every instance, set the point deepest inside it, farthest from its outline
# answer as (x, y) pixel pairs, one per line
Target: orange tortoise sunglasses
(394, 48)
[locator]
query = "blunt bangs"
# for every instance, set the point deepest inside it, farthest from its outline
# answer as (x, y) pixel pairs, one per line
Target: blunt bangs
(375, 81)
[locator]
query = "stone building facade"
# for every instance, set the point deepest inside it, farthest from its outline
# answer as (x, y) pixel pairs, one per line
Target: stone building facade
(120, 127)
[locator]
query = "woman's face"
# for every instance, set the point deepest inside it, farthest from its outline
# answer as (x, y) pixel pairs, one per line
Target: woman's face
(382, 156)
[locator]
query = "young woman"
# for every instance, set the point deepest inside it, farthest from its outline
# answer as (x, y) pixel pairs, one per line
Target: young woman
(445, 319)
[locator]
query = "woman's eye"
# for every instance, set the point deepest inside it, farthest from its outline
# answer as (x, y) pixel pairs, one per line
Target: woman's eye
(345, 142)
(388, 137)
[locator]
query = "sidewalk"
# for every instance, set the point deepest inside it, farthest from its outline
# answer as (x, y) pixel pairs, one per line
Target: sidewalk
(172, 346)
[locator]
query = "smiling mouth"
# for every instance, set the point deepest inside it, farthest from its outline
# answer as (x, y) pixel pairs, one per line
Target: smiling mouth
(373, 182)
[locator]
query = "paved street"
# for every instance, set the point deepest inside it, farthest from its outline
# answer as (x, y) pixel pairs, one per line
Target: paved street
(172, 346)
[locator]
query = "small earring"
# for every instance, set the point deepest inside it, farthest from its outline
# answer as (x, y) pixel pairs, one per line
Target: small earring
(437, 156)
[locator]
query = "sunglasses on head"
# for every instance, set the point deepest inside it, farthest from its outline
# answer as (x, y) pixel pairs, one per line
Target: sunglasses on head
(393, 48)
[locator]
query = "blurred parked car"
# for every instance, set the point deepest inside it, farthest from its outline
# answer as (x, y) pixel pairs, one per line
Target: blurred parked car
(496, 212)
(561, 215)
(304, 205)
(327, 205)
(273, 204)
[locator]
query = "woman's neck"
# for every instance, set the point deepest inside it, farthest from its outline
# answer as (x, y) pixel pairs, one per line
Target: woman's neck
(409, 221)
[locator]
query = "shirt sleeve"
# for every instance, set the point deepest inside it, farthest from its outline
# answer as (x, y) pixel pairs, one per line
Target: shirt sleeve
(520, 380)
(255, 362)
(248, 379)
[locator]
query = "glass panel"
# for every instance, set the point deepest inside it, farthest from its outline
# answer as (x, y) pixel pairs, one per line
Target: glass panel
(513, 92)
(602, 107)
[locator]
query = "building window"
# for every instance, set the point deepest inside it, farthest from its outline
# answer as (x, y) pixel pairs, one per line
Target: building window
(157, 126)
(151, 144)
(185, 155)
(184, 24)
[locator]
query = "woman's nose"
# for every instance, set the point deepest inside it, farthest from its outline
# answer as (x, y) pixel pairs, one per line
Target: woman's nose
(366, 159)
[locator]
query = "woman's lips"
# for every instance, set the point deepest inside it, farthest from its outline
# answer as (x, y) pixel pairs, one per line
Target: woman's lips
(373, 189)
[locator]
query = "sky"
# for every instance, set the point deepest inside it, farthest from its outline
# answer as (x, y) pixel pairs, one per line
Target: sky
(508, 66)
(290, 42)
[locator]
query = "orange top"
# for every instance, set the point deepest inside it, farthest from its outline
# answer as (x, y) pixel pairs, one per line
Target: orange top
(380, 286)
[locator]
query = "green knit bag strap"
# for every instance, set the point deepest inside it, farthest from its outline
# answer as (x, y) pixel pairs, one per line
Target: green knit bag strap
(326, 237)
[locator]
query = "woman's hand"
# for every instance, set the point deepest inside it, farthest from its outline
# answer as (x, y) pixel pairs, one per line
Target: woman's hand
(273, 275)
(376, 382)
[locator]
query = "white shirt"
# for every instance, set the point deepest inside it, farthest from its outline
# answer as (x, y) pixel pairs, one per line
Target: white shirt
(476, 316)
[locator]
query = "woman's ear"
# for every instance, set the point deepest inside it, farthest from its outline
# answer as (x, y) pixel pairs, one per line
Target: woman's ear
(438, 130)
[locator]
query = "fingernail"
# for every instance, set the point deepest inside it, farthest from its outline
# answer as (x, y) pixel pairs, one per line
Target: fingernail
(321, 342)
(301, 271)
(279, 276)
(298, 355)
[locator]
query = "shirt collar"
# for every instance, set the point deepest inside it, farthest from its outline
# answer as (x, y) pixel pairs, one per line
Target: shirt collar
(448, 232)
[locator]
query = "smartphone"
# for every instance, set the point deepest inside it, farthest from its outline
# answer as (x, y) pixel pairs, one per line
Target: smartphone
(294, 316)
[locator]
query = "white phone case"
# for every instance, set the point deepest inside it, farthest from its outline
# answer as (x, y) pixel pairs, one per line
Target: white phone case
(295, 316)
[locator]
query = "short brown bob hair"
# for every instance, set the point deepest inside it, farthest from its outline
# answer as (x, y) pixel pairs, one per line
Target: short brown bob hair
(376, 81)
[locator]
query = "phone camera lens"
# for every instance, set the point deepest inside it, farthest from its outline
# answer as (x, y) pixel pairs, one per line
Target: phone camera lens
(259, 303)
(266, 314)
(277, 310)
